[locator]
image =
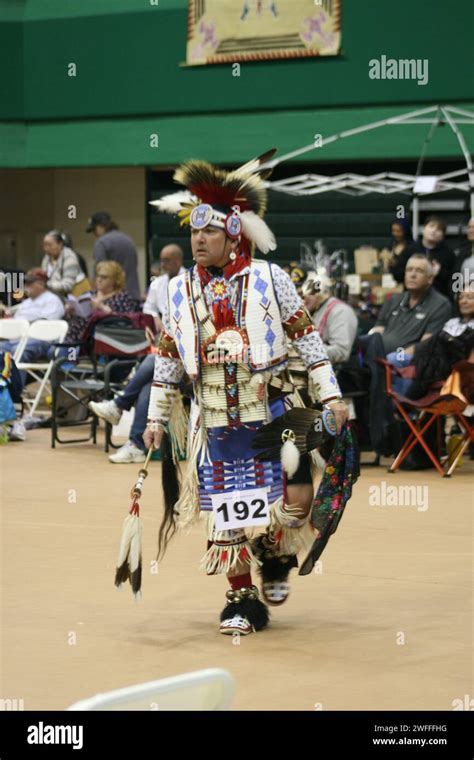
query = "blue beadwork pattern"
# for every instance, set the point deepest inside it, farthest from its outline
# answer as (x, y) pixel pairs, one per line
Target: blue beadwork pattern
(240, 475)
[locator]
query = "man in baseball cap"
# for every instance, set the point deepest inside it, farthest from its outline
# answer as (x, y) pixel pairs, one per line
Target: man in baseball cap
(98, 219)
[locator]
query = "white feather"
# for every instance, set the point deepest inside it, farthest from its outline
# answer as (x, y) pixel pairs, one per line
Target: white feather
(256, 230)
(290, 458)
(171, 204)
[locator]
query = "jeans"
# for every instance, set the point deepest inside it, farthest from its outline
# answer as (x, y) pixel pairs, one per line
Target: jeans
(400, 384)
(137, 392)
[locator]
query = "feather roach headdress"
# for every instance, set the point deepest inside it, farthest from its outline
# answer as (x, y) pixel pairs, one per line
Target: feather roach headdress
(234, 201)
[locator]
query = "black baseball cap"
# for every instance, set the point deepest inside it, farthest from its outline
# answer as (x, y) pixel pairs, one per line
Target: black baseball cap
(100, 217)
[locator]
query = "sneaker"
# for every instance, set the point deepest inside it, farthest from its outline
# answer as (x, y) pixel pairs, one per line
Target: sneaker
(235, 624)
(128, 454)
(17, 431)
(107, 410)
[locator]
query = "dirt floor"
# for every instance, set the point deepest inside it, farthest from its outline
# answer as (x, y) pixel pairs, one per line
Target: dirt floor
(385, 623)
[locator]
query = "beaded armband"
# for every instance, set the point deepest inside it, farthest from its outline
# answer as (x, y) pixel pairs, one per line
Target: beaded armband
(167, 347)
(298, 325)
(325, 383)
(162, 396)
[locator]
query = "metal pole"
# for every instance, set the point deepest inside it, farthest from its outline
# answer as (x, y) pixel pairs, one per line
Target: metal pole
(416, 211)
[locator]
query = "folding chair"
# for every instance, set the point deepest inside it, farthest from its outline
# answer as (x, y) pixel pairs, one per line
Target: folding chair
(14, 329)
(209, 690)
(99, 375)
(428, 410)
(53, 331)
(73, 387)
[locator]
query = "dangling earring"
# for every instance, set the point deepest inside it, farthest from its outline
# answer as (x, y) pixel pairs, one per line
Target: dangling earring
(232, 255)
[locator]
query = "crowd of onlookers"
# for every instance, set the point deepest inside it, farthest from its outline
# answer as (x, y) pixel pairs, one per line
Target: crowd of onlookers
(432, 303)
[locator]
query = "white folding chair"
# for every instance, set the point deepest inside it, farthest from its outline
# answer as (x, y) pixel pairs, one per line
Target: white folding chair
(211, 689)
(14, 329)
(53, 331)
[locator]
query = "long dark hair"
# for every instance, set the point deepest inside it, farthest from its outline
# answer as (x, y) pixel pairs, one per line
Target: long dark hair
(171, 490)
(406, 227)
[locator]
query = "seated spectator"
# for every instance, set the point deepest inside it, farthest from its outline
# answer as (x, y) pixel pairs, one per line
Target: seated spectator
(442, 258)
(40, 302)
(400, 248)
(171, 261)
(109, 296)
(61, 264)
(404, 320)
(137, 392)
(335, 320)
(415, 315)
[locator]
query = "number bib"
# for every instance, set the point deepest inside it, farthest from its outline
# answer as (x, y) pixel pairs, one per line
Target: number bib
(240, 509)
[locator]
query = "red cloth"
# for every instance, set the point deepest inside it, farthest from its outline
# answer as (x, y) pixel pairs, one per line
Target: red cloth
(240, 581)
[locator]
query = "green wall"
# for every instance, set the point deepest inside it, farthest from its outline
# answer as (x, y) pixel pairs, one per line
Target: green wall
(128, 53)
(130, 83)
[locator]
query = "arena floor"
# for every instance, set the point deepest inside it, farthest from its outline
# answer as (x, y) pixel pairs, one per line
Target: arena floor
(386, 625)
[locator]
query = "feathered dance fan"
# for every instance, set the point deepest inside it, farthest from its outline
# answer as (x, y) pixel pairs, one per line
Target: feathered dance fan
(295, 432)
(129, 565)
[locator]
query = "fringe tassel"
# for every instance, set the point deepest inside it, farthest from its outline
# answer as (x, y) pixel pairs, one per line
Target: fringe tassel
(178, 428)
(187, 506)
(221, 559)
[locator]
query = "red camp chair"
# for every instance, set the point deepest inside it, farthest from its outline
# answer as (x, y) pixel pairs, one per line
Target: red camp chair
(428, 410)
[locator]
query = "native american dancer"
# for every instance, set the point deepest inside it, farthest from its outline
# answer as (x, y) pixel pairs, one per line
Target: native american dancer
(226, 328)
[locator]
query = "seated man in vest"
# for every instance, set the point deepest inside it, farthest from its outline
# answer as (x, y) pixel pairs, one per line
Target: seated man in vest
(404, 320)
(412, 316)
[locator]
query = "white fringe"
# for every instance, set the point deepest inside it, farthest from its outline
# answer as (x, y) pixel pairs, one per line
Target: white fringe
(178, 427)
(188, 506)
(222, 559)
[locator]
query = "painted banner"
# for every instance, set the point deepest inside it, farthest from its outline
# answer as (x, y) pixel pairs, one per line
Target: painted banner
(226, 31)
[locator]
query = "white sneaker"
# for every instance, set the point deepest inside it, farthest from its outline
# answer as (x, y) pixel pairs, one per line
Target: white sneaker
(17, 431)
(128, 454)
(236, 624)
(108, 410)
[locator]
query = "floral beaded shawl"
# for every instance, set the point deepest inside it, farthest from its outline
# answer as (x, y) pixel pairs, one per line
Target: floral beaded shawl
(335, 490)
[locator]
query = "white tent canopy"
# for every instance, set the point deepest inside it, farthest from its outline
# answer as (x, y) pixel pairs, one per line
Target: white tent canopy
(388, 183)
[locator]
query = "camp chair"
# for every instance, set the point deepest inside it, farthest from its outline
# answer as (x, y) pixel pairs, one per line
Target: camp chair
(114, 347)
(14, 329)
(211, 689)
(53, 331)
(427, 411)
